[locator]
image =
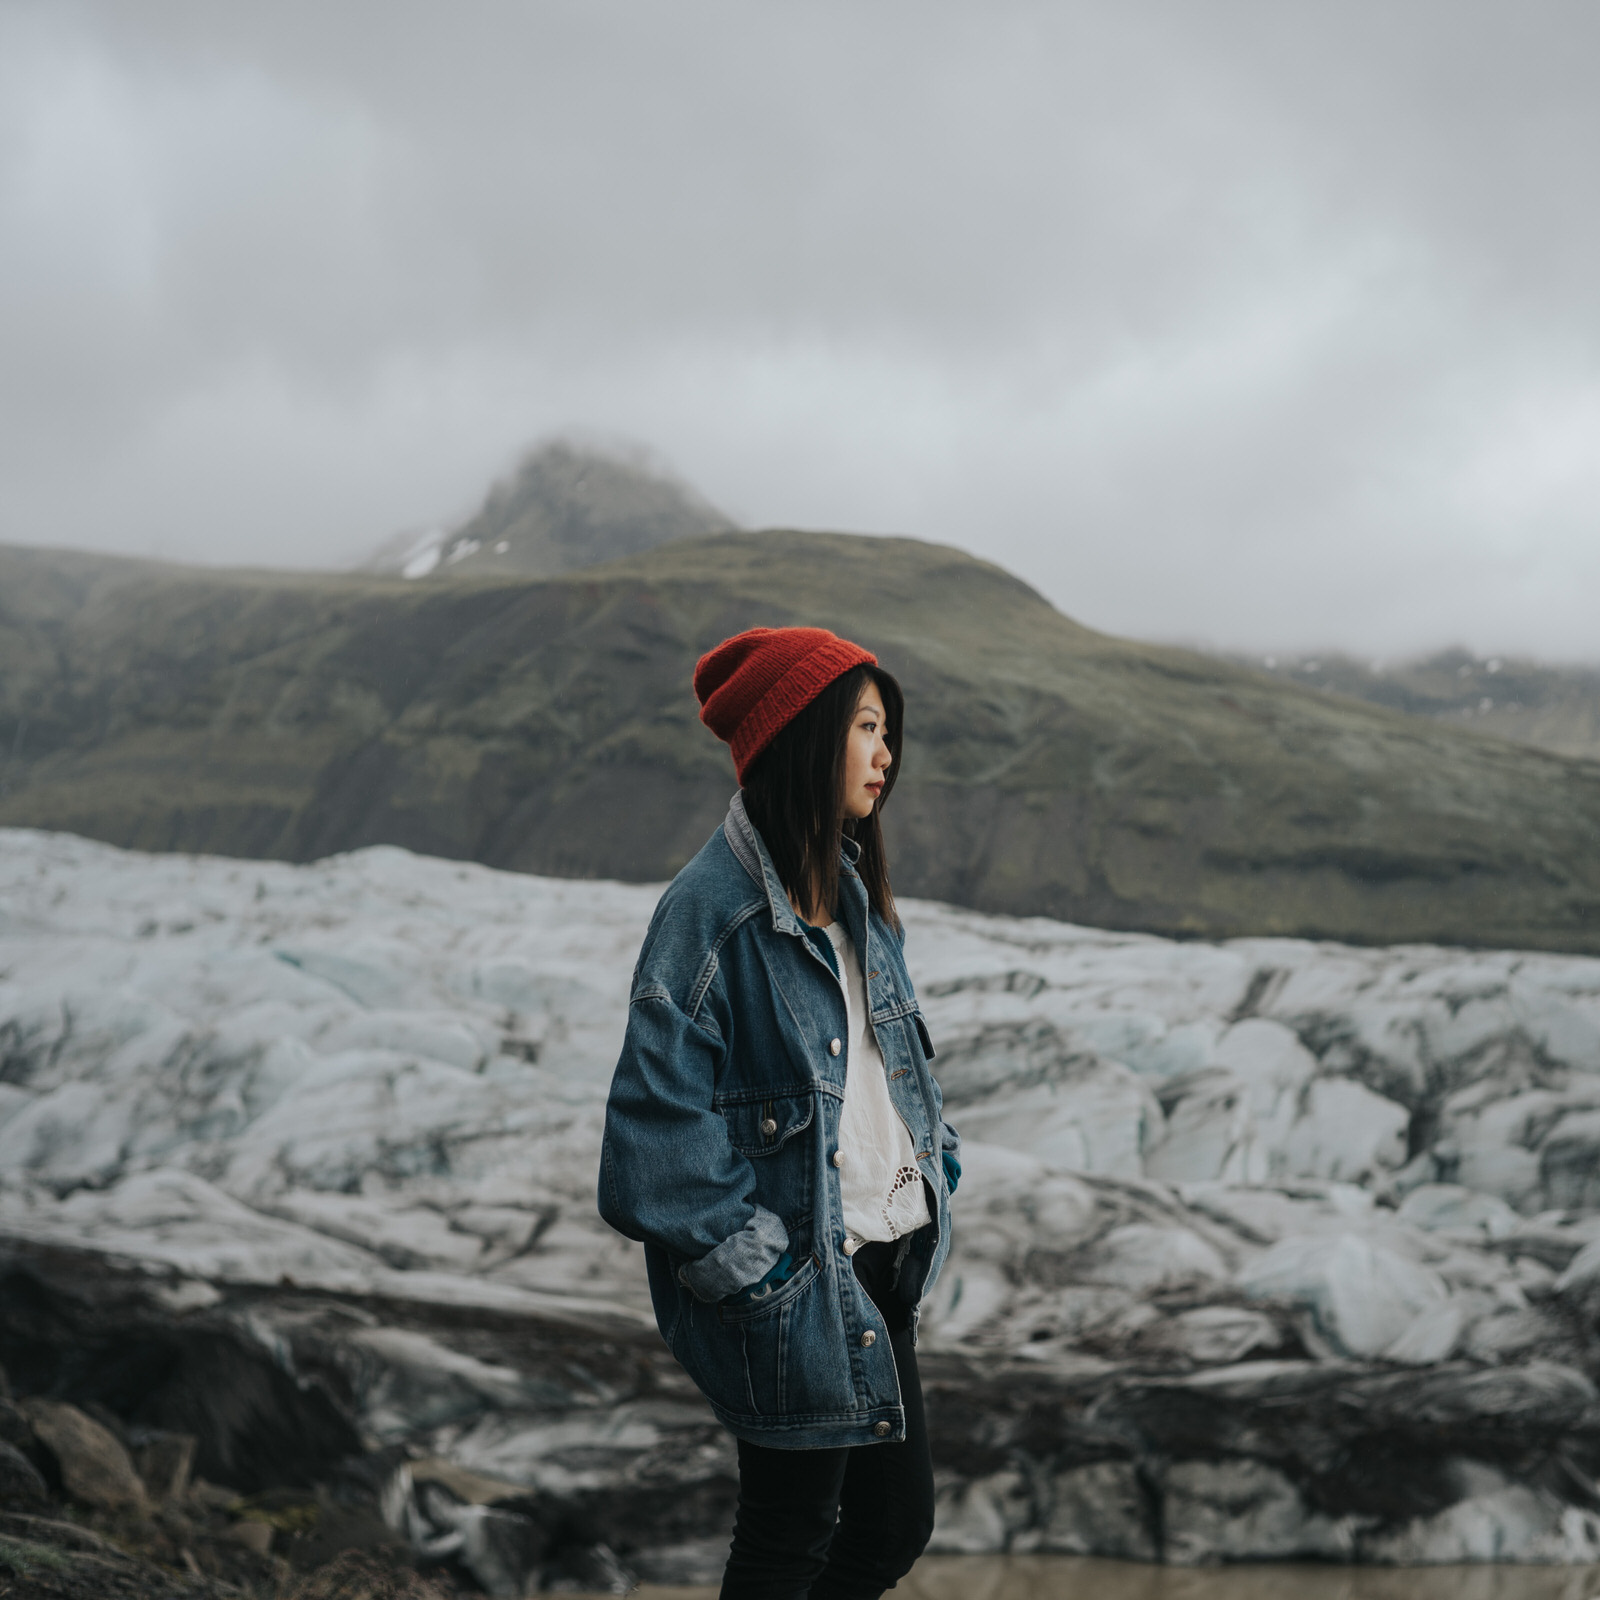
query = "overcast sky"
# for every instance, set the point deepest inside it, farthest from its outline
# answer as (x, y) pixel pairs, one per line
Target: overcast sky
(1272, 325)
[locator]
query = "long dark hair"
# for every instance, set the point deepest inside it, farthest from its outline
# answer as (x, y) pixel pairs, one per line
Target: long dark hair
(794, 794)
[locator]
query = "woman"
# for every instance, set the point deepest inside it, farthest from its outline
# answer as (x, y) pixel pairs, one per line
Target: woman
(774, 1135)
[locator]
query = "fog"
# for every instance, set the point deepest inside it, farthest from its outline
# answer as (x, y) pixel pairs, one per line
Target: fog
(1269, 325)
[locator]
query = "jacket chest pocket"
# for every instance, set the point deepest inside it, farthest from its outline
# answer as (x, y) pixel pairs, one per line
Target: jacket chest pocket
(761, 1126)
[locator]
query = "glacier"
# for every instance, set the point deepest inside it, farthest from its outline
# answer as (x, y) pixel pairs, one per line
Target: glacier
(1263, 1249)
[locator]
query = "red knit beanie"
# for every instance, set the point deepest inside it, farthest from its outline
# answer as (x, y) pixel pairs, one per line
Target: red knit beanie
(756, 683)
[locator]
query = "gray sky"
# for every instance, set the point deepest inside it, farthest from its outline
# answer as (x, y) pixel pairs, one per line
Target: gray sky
(1272, 325)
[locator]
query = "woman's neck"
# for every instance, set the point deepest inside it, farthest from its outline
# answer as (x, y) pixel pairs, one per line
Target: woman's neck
(818, 919)
(815, 915)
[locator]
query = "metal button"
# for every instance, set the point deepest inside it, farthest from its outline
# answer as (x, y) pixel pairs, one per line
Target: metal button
(881, 1429)
(868, 1339)
(849, 1247)
(770, 1126)
(834, 1047)
(838, 1158)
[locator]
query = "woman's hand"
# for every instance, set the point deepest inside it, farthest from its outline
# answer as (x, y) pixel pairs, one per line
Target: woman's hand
(778, 1274)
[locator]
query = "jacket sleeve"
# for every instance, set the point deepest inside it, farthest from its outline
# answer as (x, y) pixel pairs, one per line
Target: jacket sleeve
(949, 1139)
(668, 1173)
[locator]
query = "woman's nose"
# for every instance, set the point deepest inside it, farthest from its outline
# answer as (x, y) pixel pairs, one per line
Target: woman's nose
(882, 758)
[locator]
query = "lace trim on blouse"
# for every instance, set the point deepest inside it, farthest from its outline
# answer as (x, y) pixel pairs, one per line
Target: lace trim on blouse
(898, 1217)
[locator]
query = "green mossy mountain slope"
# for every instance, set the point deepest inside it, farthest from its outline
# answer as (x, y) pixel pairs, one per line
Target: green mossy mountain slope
(548, 726)
(1556, 707)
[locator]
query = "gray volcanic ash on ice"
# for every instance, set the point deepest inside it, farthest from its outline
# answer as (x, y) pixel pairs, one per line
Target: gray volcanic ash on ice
(1263, 1249)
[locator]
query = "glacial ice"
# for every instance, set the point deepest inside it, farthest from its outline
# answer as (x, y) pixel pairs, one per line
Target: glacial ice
(382, 1076)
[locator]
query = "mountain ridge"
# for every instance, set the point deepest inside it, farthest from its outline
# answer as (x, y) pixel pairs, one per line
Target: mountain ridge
(565, 505)
(1531, 702)
(548, 725)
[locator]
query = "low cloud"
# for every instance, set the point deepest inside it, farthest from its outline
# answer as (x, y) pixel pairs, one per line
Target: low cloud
(1268, 326)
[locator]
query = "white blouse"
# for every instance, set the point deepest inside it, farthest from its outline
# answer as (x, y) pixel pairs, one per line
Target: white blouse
(880, 1187)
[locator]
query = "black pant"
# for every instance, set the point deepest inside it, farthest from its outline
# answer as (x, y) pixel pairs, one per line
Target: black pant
(842, 1524)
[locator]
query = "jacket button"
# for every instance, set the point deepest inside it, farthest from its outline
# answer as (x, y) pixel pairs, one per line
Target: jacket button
(849, 1247)
(834, 1047)
(770, 1126)
(868, 1339)
(881, 1429)
(838, 1158)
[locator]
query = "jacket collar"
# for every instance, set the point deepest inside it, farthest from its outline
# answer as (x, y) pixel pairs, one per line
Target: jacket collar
(751, 853)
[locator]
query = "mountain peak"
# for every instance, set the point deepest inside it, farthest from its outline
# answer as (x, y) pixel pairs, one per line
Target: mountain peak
(567, 505)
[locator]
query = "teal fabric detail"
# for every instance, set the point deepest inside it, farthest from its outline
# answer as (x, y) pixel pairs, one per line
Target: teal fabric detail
(778, 1274)
(824, 945)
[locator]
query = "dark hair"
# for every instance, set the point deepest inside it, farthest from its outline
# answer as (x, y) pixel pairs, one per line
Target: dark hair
(794, 794)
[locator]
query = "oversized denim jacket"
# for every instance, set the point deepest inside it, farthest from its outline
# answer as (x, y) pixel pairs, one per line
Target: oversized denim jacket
(720, 1134)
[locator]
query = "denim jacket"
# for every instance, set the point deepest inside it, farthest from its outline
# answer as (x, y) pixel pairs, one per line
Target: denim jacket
(720, 1134)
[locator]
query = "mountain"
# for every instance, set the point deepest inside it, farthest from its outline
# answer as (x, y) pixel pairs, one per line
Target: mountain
(547, 725)
(566, 506)
(1553, 707)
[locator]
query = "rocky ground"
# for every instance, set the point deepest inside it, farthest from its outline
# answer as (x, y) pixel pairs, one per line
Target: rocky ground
(91, 1509)
(1264, 1249)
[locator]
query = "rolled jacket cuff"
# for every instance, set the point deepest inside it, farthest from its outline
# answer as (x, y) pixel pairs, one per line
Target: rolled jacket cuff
(949, 1140)
(738, 1261)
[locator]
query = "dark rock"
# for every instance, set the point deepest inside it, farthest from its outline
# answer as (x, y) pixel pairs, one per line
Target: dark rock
(165, 1462)
(211, 1496)
(180, 1528)
(44, 1559)
(199, 1554)
(595, 1569)
(252, 1535)
(95, 1468)
(310, 1528)
(53, 1531)
(254, 1425)
(21, 1486)
(368, 1575)
(98, 1411)
(15, 1429)
(339, 1527)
